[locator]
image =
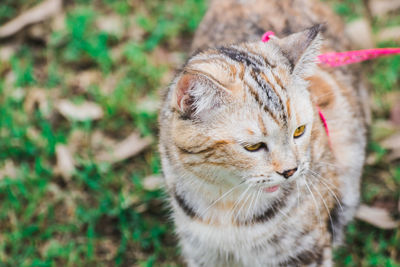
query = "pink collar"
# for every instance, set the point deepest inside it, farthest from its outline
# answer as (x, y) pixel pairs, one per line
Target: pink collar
(325, 123)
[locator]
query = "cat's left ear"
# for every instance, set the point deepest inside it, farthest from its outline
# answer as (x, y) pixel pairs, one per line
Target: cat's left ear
(302, 50)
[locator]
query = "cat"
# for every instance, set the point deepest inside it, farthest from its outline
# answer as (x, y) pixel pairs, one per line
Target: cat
(253, 175)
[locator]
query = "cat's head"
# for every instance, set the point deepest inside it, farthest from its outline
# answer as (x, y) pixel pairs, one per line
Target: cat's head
(243, 112)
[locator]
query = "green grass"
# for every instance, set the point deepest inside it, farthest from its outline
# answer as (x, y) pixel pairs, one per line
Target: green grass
(102, 215)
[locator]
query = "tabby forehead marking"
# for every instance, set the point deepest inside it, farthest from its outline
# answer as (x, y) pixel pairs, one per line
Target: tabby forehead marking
(266, 60)
(274, 89)
(261, 103)
(274, 101)
(261, 125)
(242, 57)
(288, 107)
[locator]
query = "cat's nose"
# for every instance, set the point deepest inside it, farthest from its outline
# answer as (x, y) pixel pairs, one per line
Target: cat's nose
(288, 173)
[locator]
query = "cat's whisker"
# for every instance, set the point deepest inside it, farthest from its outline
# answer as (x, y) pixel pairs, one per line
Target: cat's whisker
(238, 213)
(259, 194)
(315, 202)
(326, 207)
(318, 175)
(249, 209)
(325, 94)
(242, 195)
(284, 214)
(333, 193)
(321, 180)
(329, 164)
(298, 193)
(220, 198)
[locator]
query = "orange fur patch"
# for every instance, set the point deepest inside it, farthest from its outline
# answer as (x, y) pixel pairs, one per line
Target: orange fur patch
(322, 92)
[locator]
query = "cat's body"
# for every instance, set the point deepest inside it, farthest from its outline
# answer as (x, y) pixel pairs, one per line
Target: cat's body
(239, 166)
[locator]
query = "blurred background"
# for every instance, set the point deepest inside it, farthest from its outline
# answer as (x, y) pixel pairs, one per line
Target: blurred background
(80, 181)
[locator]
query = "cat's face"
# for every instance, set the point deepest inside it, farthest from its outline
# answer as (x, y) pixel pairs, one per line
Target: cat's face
(244, 113)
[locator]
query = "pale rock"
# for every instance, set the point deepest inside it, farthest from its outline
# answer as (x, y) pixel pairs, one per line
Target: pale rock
(389, 34)
(111, 24)
(376, 216)
(153, 182)
(65, 161)
(381, 7)
(79, 112)
(360, 34)
(38, 13)
(129, 147)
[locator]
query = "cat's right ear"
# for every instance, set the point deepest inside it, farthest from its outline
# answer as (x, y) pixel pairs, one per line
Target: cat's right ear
(195, 93)
(182, 100)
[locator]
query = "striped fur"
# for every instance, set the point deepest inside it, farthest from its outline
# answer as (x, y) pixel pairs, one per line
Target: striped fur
(234, 207)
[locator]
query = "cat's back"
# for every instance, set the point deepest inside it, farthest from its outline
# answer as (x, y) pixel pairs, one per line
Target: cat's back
(236, 21)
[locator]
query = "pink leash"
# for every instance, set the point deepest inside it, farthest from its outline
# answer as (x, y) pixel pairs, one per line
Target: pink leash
(335, 59)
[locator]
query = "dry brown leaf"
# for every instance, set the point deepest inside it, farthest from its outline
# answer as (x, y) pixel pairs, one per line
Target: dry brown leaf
(381, 7)
(101, 142)
(110, 83)
(117, 52)
(38, 32)
(86, 78)
(148, 105)
(395, 113)
(34, 135)
(398, 205)
(135, 32)
(106, 249)
(153, 182)
(129, 147)
(77, 141)
(37, 97)
(7, 51)
(141, 208)
(10, 79)
(129, 199)
(389, 33)
(65, 162)
(111, 24)
(58, 22)
(360, 34)
(45, 248)
(377, 217)
(392, 142)
(382, 129)
(394, 155)
(84, 111)
(36, 14)
(9, 170)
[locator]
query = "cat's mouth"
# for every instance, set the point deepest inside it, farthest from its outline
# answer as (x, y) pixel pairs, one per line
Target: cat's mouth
(265, 183)
(271, 189)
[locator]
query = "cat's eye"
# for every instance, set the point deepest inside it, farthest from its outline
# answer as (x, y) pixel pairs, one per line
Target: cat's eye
(299, 131)
(254, 147)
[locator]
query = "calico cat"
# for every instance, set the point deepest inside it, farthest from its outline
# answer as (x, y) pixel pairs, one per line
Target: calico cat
(254, 176)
